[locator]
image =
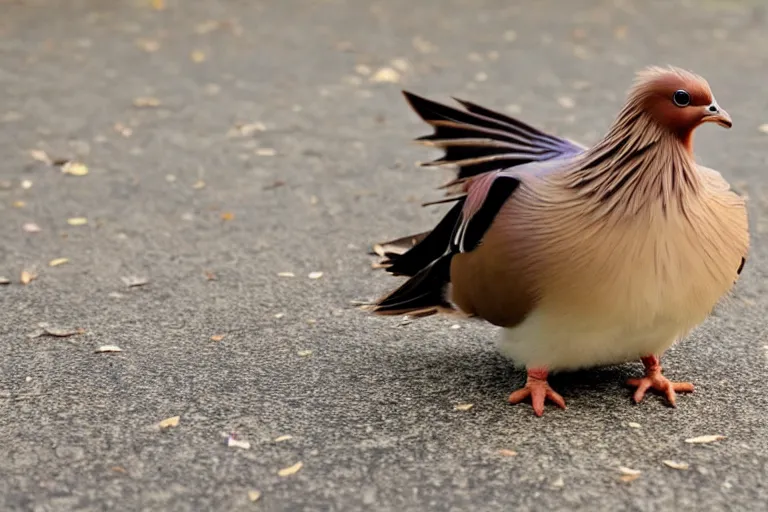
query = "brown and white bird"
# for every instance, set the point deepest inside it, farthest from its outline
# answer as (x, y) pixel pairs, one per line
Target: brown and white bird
(583, 256)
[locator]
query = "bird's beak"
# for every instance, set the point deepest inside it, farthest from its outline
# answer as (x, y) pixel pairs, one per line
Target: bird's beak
(714, 114)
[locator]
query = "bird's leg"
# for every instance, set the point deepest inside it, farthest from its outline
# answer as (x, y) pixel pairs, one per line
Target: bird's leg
(538, 389)
(655, 380)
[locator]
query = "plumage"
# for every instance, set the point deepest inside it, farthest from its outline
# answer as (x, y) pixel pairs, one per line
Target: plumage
(583, 256)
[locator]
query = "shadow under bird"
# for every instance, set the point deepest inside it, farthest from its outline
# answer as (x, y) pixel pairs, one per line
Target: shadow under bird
(582, 256)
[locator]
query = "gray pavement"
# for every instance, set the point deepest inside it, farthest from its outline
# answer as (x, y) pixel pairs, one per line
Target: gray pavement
(176, 195)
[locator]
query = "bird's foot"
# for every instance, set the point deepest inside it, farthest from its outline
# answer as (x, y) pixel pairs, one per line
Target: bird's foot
(655, 380)
(537, 388)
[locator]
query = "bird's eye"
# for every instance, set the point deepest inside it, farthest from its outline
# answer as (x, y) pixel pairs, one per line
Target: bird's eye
(681, 98)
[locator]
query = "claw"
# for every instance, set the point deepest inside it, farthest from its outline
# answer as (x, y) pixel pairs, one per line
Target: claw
(655, 380)
(537, 388)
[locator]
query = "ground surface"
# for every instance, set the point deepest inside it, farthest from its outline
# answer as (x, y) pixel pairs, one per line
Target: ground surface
(175, 197)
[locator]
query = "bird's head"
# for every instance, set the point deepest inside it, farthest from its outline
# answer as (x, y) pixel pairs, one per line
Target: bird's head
(678, 100)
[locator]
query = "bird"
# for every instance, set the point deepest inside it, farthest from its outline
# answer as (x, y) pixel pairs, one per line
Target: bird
(581, 256)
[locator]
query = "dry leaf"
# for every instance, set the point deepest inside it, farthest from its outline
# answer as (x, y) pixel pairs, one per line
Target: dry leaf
(108, 348)
(463, 407)
(315, 275)
(507, 453)
(266, 152)
(558, 483)
(254, 495)
(227, 216)
(291, 470)
(40, 156)
(233, 442)
(388, 75)
(4, 280)
(26, 184)
(146, 101)
(31, 227)
(58, 261)
(198, 185)
(283, 438)
(629, 478)
(217, 337)
(27, 277)
(629, 471)
(632, 424)
(118, 469)
(77, 221)
(286, 274)
(169, 422)
(62, 333)
(304, 353)
(705, 439)
(132, 281)
(763, 128)
(676, 465)
(74, 168)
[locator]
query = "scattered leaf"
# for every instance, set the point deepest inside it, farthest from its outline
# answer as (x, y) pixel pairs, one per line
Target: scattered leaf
(27, 277)
(304, 353)
(456, 326)
(291, 470)
(286, 274)
(197, 56)
(279, 315)
(705, 439)
(169, 422)
(266, 152)
(315, 275)
(40, 156)
(4, 280)
(146, 102)
(629, 478)
(62, 333)
(676, 465)
(632, 424)
(108, 348)
(227, 216)
(254, 495)
(233, 442)
(26, 184)
(280, 439)
(74, 168)
(133, 281)
(77, 221)
(58, 261)
(763, 128)
(118, 469)
(504, 452)
(558, 483)
(31, 227)
(217, 337)
(388, 75)
(463, 407)
(198, 185)
(629, 471)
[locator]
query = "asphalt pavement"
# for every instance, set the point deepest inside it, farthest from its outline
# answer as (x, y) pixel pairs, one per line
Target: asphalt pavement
(213, 172)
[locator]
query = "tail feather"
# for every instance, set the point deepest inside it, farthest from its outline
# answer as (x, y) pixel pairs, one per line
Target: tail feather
(423, 294)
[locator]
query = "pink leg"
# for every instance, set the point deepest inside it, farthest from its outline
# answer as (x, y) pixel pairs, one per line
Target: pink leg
(655, 380)
(538, 389)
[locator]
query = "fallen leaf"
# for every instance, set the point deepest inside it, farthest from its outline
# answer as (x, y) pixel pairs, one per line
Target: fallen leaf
(291, 470)
(388, 75)
(286, 274)
(266, 152)
(146, 101)
(77, 221)
(280, 439)
(629, 478)
(227, 216)
(217, 337)
(62, 333)
(198, 185)
(763, 128)
(4, 280)
(169, 422)
(705, 439)
(197, 56)
(456, 326)
(632, 424)
(74, 168)
(108, 348)
(629, 471)
(558, 483)
(31, 227)
(40, 156)
(118, 469)
(304, 353)
(27, 277)
(676, 465)
(233, 442)
(315, 275)
(58, 261)
(26, 184)
(254, 495)
(279, 315)
(507, 453)
(133, 281)
(463, 407)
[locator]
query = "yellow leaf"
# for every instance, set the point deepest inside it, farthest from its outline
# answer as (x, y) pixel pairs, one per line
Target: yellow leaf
(169, 422)
(58, 261)
(254, 495)
(463, 407)
(27, 277)
(291, 470)
(75, 169)
(77, 221)
(218, 337)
